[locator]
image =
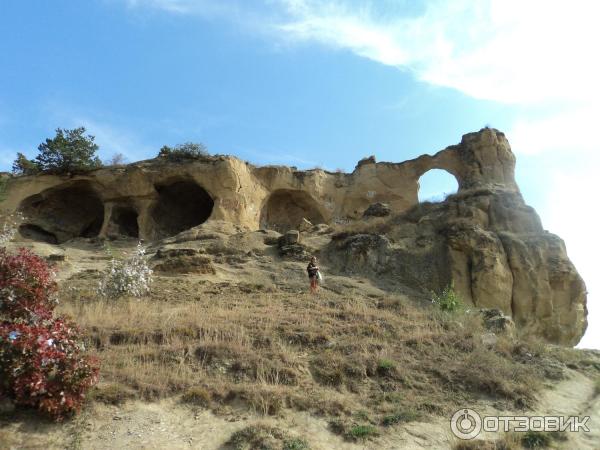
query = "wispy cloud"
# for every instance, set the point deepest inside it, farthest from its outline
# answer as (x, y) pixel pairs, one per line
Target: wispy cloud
(207, 7)
(503, 50)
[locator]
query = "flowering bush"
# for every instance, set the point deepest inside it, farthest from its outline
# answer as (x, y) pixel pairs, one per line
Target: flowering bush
(41, 360)
(27, 286)
(448, 300)
(9, 224)
(131, 276)
(43, 366)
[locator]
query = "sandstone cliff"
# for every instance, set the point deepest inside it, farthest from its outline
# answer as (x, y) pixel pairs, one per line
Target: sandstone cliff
(484, 239)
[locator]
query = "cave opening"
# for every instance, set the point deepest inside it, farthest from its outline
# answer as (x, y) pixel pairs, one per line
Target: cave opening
(285, 209)
(181, 205)
(125, 219)
(36, 233)
(62, 213)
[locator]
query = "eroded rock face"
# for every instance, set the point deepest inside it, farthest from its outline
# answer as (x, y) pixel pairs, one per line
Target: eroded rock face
(484, 239)
(487, 243)
(156, 199)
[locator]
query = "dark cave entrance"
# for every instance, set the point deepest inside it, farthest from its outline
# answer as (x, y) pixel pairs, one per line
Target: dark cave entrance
(62, 213)
(125, 219)
(33, 232)
(285, 209)
(181, 205)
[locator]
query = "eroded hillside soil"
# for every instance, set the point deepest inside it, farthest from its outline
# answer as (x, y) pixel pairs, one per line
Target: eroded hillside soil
(230, 351)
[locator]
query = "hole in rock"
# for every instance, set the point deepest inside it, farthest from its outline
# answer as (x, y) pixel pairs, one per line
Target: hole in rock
(285, 209)
(30, 231)
(126, 220)
(181, 205)
(63, 213)
(436, 184)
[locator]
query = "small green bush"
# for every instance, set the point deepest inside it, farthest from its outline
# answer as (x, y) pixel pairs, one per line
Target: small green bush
(385, 367)
(386, 364)
(448, 300)
(401, 416)
(362, 432)
(183, 152)
(295, 444)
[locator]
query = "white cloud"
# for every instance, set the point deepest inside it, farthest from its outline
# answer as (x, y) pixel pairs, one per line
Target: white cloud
(504, 50)
(569, 212)
(232, 9)
(570, 131)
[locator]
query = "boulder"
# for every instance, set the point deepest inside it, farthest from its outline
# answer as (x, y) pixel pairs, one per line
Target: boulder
(289, 238)
(367, 160)
(496, 321)
(378, 210)
(305, 225)
(182, 260)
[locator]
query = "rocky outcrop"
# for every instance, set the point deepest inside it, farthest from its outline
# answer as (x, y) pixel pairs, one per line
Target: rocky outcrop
(485, 239)
(154, 199)
(490, 246)
(378, 210)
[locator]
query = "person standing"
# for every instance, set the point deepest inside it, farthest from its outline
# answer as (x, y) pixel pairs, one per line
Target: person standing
(313, 275)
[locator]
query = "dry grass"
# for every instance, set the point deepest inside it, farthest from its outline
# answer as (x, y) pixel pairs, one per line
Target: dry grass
(510, 441)
(262, 436)
(330, 355)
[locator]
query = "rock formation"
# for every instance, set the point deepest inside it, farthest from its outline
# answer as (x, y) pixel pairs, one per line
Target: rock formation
(484, 239)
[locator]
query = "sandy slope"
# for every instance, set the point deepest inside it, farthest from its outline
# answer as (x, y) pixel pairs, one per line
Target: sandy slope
(170, 425)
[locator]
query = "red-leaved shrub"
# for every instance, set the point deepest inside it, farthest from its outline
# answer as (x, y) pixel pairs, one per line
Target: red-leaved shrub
(27, 286)
(42, 361)
(43, 366)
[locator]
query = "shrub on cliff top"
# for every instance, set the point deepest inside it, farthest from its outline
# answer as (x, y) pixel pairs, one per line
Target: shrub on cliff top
(68, 152)
(24, 166)
(183, 152)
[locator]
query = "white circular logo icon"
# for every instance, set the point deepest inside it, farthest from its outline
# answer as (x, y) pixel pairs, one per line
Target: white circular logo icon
(465, 424)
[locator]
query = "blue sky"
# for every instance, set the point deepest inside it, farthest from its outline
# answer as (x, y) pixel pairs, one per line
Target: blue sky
(320, 83)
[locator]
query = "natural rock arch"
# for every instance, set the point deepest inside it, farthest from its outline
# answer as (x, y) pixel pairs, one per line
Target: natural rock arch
(62, 213)
(181, 204)
(285, 209)
(435, 184)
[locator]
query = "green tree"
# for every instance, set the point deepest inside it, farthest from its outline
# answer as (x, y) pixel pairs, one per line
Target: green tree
(24, 166)
(69, 151)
